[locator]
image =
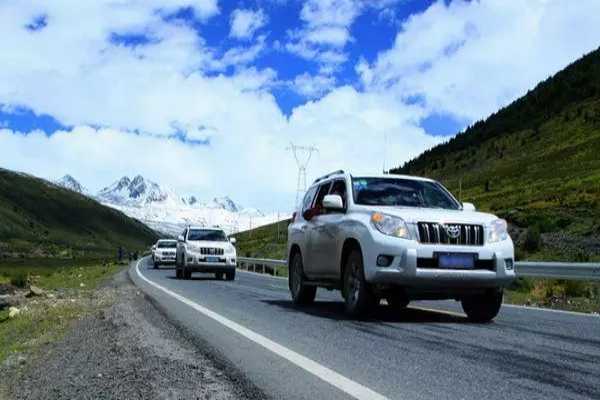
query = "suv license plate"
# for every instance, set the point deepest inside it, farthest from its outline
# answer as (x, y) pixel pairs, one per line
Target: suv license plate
(456, 261)
(212, 259)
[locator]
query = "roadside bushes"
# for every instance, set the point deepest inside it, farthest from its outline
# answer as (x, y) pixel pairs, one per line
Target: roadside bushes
(532, 239)
(19, 279)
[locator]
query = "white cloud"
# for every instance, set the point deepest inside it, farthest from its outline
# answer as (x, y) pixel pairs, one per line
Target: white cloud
(245, 22)
(470, 58)
(313, 86)
(465, 60)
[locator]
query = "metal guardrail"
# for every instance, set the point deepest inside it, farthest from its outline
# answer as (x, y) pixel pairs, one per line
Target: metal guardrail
(537, 269)
(262, 265)
(558, 270)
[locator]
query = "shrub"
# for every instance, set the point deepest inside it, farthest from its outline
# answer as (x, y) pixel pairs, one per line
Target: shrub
(19, 279)
(532, 239)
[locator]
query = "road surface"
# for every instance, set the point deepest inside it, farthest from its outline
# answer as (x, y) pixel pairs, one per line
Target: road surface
(429, 351)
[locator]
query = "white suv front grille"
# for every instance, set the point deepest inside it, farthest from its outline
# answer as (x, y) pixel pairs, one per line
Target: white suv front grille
(456, 234)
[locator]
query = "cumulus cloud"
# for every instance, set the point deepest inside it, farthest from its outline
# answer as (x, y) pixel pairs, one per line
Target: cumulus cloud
(468, 59)
(173, 90)
(313, 86)
(245, 22)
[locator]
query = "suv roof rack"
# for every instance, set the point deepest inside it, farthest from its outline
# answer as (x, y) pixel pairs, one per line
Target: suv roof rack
(339, 171)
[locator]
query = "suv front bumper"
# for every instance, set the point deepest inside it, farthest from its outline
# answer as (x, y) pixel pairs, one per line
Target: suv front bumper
(406, 268)
(198, 263)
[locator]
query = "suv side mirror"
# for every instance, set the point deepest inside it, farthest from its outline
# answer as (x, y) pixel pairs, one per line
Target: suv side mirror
(232, 240)
(153, 247)
(180, 238)
(468, 206)
(333, 202)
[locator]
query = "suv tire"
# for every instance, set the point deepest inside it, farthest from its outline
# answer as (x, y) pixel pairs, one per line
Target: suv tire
(219, 276)
(358, 299)
(301, 293)
(483, 307)
(187, 273)
(230, 276)
(155, 265)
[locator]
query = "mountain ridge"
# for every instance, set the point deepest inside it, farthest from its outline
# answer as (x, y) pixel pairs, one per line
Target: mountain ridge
(41, 218)
(534, 162)
(166, 211)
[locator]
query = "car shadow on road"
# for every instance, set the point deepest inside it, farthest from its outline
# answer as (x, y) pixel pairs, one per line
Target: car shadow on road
(335, 310)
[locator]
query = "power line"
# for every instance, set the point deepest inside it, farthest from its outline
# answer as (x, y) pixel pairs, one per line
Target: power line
(302, 155)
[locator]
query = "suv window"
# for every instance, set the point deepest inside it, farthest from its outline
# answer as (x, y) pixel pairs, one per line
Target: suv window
(308, 198)
(323, 190)
(339, 188)
(402, 192)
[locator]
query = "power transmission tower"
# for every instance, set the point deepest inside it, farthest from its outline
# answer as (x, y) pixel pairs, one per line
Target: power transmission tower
(302, 155)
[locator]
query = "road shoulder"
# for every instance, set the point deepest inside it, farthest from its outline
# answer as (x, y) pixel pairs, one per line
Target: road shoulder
(125, 350)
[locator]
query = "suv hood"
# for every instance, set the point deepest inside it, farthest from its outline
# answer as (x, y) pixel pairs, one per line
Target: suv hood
(414, 215)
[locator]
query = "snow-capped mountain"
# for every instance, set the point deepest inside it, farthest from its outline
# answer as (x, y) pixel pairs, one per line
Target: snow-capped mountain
(68, 182)
(164, 210)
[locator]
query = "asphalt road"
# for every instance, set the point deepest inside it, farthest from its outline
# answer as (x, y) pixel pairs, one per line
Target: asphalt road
(429, 351)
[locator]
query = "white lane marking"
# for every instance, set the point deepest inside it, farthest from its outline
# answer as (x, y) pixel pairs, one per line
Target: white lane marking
(580, 314)
(435, 310)
(346, 385)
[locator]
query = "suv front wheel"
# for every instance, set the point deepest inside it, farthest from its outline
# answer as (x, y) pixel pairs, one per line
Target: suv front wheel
(483, 307)
(358, 298)
(301, 293)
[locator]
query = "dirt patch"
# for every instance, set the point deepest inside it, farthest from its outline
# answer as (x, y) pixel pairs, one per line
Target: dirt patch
(127, 350)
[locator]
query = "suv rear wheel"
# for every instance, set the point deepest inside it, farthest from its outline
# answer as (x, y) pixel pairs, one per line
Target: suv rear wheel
(301, 293)
(483, 307)
(358, 298)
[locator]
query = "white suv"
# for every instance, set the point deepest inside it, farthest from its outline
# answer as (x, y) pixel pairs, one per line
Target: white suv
(163, 252)
(397, 237)
(205, 250)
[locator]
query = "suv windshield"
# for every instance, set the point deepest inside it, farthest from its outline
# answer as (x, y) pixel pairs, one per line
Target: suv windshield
(207, 234)
(401, 192)
(167, 245)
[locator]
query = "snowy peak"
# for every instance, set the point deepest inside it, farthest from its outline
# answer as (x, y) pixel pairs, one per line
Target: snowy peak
(225, 203)
(68, 182)
(133, 191)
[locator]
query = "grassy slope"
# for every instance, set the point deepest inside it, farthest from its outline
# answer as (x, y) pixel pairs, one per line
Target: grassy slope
(263, 242)
(43, 319)
(535, 162)
(41, 219)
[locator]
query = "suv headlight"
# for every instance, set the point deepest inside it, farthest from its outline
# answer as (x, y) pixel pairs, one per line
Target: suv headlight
(498, 231)
(193, 248)
(390, 225)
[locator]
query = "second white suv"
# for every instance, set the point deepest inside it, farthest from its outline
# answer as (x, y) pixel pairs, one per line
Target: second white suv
(397, 237)
(163, 252)
(205, 250)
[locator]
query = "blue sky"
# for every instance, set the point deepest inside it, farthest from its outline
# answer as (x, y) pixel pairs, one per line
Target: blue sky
(219, 89)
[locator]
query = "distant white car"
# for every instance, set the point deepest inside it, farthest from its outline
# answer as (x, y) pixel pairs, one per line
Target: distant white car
(205, 250)
(400, 238)
(164, 252)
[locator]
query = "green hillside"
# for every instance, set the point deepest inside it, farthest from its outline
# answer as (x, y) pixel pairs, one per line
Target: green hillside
(39, 219)
(268, 241)
(535, 162)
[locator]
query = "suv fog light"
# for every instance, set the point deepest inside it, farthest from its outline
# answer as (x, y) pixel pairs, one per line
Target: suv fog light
(509, 263)
(384, 261)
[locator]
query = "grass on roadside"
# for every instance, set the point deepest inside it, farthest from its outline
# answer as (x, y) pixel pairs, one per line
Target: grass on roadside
(44, 319)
